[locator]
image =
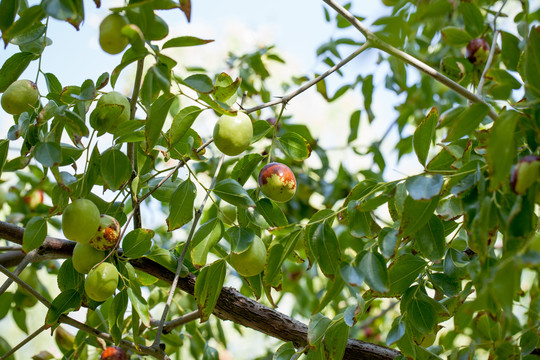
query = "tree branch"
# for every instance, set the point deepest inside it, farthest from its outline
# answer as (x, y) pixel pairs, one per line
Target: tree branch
(285, 99)
(411, 60)
(231, 304)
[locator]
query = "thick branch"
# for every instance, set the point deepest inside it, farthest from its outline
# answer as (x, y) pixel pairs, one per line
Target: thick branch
(231, 304)
(411, 60)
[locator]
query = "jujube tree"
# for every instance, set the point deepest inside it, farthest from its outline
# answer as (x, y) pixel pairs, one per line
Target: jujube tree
(443, 263)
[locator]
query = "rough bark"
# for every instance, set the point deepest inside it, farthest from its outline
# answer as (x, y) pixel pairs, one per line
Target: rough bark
(231, 304)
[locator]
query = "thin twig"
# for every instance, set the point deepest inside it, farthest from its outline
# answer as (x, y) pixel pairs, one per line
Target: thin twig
(411, 60)
(301, 89)
(25, 341)
(132, 154)
(13, 277)
(180, 262)
(25, 261)
(171, 325)
(10, 248)
(491, 51)
(174, 170)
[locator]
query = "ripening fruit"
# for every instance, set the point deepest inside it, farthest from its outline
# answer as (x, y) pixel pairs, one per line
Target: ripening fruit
(113, 353)
(107, 233)
(111, 38)
(19, 97)
(112, 109)
(85, 257)
(277, 182)
(250, 262)
(525, 174)
(101, 282)
(477, 51)
(34, 198)
(80, 220)
(232, 134)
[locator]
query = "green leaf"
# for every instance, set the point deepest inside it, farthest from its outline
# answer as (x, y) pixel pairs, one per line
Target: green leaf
(388, 241)
(373, 266)
(335, 340)
(181, 205)
(396, 331)
(245, 166)
(260, 129)
(232, 192)
(295, 146)
(156, 118)
(137, 243)
(48, 154)
(200, 83)
(115, 168)
(206, 237)
(511, 52)
(4, 148)
(455, 36)
(422, 187)
(279, 250)
(472, 17)
(34, 234)
(68, 277)
(208, 287)
(130, 56)
(354, 124)
(285, 352)
(165, 258)
(324, 245)
(70, 10)
(28, 19)
(467, 121)
(416, 213)
(352, 273)
(240, 238)
(182, 41)
(501, 149)
(403, 272)
(140, 306)
(65, 302)
(424, 134)
(8, 11)
(271, 212)
(13, 67)
(361, 223)
(421, 315)
(316, 328)
(116, 313)
(430, 239)
(182, 122)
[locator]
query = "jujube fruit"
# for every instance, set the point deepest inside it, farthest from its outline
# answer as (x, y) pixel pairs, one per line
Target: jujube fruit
(250, 262)
(101, 282)
(525, 174)
(85, 257)
(113, 353)
(111, 38)
(477, 51)
(107, 233)
(19, 97)
(80, 220)
(277, 182)
(232, 134)
(112, 109)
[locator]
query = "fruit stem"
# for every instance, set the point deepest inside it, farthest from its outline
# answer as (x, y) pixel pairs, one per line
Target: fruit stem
(180, 261)
(491, 51)
(275, 133)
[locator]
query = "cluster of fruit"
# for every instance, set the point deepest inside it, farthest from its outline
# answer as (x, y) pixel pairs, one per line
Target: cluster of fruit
(94, 233)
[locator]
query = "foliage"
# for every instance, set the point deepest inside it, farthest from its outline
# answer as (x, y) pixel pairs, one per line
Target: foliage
(442, 255)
